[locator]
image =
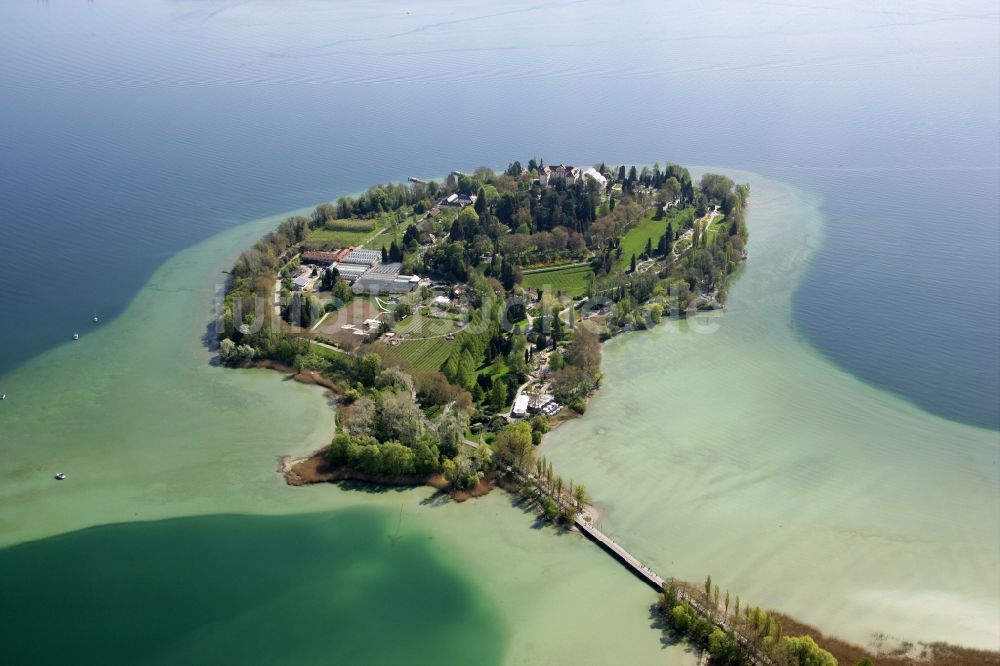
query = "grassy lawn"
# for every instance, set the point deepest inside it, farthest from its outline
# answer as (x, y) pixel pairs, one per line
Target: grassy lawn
(649, 229)
(718, 224)
(571, 281)
(493, 371)
(423, 355)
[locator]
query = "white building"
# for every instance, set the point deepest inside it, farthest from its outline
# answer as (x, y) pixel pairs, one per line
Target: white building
(594, 174)
(521, 405)
(570, 175)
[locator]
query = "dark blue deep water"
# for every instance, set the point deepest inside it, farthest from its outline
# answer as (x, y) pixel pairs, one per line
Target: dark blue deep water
(129, 130)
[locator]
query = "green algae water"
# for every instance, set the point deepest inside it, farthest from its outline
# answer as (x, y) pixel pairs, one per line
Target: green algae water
(147, 431)
(727, 446)
(214, 589)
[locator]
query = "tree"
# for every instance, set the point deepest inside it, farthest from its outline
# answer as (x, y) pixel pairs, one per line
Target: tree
(396, 459)
(708, 587)
(649, 248)
(395, 254)
(571, 384)
(517, 360)
(341, 291)
(461, 472)
(557, 326)
(425, 456)
(668, 598)
(632, 264)
(585, 350)
(481, 201)
(385, 255)
(396, 379)
(580, 495)
(398, 418)
(323, 214)
(468, 218)
(368, 369)
(466, 375)
(671, 189)
(722, 646)
(807, 653)
(513, 443)
(498, 394)
(359, 417)
(451, 432)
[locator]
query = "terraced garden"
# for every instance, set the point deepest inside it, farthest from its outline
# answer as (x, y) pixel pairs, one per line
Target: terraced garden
(423, 355)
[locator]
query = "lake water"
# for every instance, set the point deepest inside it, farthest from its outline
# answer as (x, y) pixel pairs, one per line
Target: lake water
(148, 431)
(788, 480)
(850, 395)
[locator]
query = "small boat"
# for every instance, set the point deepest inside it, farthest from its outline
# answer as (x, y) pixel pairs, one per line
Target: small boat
(60, 476)
(95, 317)
(76, 336)
(3, 396)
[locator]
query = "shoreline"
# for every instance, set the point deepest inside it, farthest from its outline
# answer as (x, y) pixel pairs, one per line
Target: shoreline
(570, 415)
(316, 469)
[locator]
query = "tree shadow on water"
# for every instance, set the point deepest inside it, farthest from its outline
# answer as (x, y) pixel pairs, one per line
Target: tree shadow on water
(210, 341)
(437, 499)
(371, 488)
(669, 637)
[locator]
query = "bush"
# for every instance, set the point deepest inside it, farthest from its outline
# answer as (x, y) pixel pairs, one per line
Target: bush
(461, 473)
(550, 509)
(540, 424)
(722, 647)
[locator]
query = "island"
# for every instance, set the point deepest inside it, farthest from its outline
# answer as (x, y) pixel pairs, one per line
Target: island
(458, 321)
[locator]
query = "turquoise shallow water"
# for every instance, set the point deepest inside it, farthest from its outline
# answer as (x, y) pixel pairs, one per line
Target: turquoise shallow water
(726, 445)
